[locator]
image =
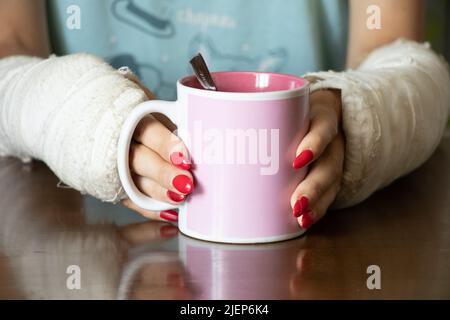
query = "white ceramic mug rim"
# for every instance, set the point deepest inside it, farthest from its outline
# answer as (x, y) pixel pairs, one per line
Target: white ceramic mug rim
(267, 95)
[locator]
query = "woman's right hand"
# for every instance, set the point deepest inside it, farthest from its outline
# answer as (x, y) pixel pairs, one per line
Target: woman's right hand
(159, 164)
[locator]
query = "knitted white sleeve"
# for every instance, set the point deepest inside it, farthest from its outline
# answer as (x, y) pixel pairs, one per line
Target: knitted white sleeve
(67, 111)
(395, 109)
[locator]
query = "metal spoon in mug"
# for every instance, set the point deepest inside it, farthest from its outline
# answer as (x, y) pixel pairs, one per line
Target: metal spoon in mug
(202, 73)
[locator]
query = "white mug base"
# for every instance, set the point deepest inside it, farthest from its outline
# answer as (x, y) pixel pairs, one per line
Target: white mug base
(244, 241)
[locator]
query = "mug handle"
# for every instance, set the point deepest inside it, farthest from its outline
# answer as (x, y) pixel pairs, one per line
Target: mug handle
(167, 108)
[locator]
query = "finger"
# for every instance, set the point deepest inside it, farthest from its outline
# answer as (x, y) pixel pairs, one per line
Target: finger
(307, 219)
(144, 232)
(161, 292)
(147, 163)
(295, 283)
(154, 190)
(325, 172)
(154, 135)
(323, 128)
(167, 215)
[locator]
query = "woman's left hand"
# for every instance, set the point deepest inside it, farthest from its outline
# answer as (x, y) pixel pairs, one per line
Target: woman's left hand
(323, 150)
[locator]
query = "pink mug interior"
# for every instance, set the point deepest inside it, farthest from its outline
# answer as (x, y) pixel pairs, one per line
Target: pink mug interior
(249, 81)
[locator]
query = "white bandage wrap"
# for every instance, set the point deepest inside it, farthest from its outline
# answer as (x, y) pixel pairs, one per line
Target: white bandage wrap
(395, 109)
(68, 112)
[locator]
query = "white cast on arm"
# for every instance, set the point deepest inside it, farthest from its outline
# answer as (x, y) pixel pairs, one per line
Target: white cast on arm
(395, 109)
(67, 111)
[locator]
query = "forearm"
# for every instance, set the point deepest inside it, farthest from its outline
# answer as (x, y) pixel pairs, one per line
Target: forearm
(67, 111)
(398, 19)
(23, 29)
(395, 108)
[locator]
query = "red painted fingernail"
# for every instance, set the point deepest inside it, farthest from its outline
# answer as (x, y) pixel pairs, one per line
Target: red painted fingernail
(178, 160)
(168, 231)
(169, 215)
(305, 204)
(176, 197)
(303, 159)
(297, 208)
(306, 220)
(183, 184)
(300, 206)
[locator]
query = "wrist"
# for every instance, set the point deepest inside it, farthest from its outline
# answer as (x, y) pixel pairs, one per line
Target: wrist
(327, 96)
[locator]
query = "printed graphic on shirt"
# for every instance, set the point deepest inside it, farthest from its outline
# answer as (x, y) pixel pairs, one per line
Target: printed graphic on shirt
(272, 60)
(294, 37)
(204, 20)
(157, 24)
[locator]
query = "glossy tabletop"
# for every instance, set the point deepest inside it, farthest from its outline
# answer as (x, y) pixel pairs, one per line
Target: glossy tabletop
(58, 244)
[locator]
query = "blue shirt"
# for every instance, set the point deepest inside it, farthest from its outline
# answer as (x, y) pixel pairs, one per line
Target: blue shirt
(157, 38)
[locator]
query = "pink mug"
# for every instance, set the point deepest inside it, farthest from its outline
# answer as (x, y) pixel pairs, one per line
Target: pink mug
(242, 141)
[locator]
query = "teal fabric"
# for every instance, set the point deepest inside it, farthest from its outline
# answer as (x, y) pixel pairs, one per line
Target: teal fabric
(156, 38)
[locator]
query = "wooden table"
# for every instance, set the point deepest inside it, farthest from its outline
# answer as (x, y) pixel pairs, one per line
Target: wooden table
(51, 237)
